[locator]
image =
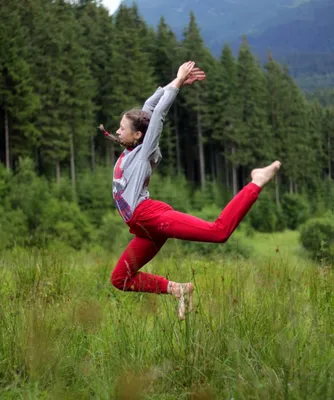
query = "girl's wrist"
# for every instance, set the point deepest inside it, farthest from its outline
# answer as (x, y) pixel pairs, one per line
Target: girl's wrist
(178, 82)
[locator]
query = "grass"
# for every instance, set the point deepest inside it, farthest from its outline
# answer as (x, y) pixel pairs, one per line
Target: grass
(262, 329)
(280, 246)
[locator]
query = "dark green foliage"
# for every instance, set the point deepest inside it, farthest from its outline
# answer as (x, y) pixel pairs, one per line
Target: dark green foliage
(64, 222)
(328, 194)
(86, 67)
(196, 101)
(317, 236)
(18, 102)
(131, 64)
(295, 210)
(209, 212)
(112, 234)
(5, 177)
(212, 196)
(281, 222)
(166, 54)
(95, 194)
(324, 96)
(277, 89)
(175, 191)
(62, 190)
(29, 193)
(14, 230)
(251, 102)
(263, 215)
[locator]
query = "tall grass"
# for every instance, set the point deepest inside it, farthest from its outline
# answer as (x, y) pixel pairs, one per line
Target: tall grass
(261, 329)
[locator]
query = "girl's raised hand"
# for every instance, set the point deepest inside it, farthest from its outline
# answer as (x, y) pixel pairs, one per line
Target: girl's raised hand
(195, 75)
(184, 70)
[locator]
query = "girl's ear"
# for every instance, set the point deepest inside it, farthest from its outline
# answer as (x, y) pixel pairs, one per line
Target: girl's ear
(138, 135)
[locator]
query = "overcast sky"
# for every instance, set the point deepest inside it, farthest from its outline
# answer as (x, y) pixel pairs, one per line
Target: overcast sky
(111, 5)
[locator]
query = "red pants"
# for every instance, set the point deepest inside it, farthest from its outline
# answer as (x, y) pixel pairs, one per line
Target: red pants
(153, 222)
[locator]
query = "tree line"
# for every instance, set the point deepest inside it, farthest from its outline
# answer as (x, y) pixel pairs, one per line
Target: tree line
(65, 68)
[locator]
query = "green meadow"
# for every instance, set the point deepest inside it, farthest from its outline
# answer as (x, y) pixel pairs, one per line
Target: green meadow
(262, 328)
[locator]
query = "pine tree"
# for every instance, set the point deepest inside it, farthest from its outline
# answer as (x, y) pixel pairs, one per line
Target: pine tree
(130, 63)
(277, 92)
(46, 38)
(167, 58)
(18, 103)
(134, 70)
(315, 154)
(196, 98)
(328, 140)
(296, 135)
(254, 135)
(98, 35)
(225, 114)
(77, 107)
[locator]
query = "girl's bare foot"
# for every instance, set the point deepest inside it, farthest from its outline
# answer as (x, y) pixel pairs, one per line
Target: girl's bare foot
(184, 293)
(261, 176)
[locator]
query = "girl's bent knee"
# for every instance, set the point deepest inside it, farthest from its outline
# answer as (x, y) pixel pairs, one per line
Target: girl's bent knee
(221, 238)
(220, 234)
(117, 281)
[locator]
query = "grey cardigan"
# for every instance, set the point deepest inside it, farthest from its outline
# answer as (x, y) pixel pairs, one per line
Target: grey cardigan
(134, 167)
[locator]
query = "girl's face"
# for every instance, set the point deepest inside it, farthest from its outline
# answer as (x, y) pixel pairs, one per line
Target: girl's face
(125, 133)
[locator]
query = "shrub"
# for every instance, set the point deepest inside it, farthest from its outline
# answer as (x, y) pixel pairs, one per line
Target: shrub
(317, 236)
(64, 222)
(174, 191)
(212, 193)
(62, 190)
(29, 193)
(208, 213)
(13, 228)
(5, 176)
(295, 209)
(281, 222)
(94, 192)
(113, 232)
(263, 215)
(201, 198)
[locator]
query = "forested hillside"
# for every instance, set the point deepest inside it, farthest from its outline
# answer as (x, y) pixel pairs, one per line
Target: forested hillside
(68, 69)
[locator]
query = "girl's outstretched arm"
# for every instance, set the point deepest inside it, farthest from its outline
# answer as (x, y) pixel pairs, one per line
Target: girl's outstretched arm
(152, 101)
(151, 139)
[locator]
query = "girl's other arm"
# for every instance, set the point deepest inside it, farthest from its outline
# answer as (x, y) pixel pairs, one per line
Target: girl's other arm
(151, 139)
(152, 101)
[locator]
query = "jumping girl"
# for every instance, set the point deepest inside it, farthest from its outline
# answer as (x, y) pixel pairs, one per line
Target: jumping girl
(151, 221)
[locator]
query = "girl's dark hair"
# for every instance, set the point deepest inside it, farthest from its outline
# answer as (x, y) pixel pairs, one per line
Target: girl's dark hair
(139, 120)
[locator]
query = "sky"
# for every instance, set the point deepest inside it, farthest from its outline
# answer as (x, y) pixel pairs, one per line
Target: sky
(111, 5)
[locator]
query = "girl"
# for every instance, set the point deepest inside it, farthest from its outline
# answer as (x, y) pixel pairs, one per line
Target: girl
(151, 221)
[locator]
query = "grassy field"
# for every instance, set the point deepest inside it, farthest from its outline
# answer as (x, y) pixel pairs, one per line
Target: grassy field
(262, 328)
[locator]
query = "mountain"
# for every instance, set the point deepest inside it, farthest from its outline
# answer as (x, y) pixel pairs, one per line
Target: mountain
(308, 28)
(302, 38)
(293, 30)
(226, 20)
